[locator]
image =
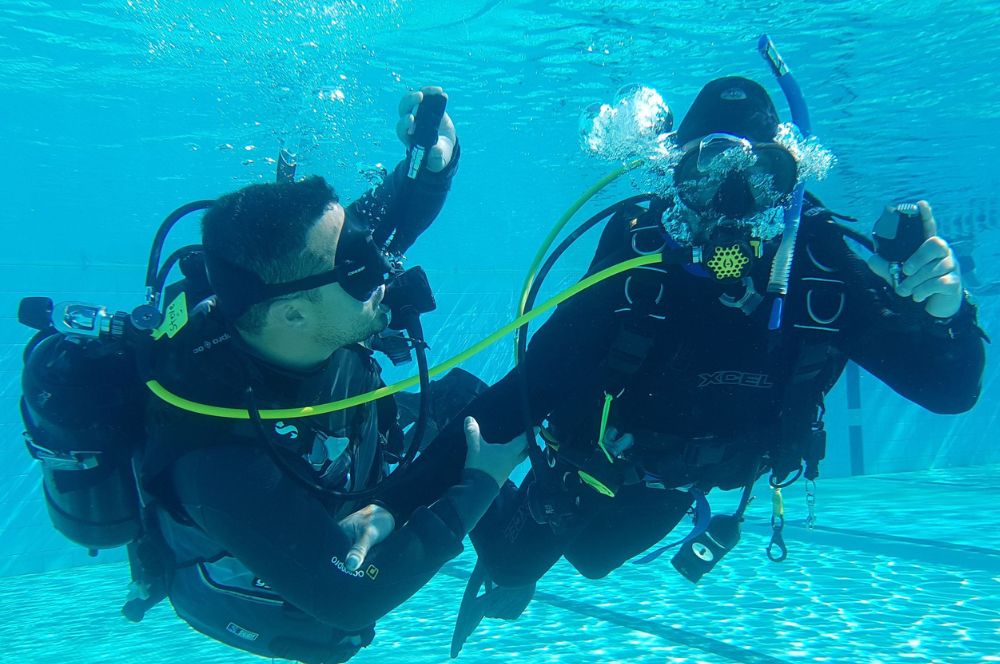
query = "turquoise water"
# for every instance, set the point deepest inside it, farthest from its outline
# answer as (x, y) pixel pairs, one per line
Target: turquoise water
(114, 112)
(882, 578)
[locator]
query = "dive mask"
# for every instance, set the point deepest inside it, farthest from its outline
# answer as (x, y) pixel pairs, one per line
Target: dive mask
(732, 177)
(359, 267)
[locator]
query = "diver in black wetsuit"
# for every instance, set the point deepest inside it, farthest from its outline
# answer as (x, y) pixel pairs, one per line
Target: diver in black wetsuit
(660, 384)
(267, 553)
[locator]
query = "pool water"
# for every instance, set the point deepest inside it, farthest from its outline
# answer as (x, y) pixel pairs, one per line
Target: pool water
(114, 112)
(883, 577)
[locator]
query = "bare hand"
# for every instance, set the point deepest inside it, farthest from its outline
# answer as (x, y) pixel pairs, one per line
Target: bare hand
(439, 156)
(498, 461)
(932, 273)
(365, 528)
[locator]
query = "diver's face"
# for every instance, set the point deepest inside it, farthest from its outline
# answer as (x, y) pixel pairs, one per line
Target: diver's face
(729, 181)
(336, 318)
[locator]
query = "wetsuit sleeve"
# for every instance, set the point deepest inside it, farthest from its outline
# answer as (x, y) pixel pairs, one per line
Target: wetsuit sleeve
(403, 205)
(566, 354)
(564, 357)
(285, 535)
(935, 363)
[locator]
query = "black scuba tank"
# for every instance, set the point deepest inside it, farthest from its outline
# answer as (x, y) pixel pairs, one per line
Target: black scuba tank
(83, 410)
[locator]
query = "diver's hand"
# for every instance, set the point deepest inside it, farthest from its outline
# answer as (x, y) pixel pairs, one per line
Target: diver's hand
(440, 155)
(497, 461)
(365, 528)
(616, 442)
(932, 273)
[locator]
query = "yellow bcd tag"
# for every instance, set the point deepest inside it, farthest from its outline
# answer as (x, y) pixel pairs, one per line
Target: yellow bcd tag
(174, 318)
(595, 484)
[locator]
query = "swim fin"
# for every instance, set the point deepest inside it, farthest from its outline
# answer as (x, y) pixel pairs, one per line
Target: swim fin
(506, 603)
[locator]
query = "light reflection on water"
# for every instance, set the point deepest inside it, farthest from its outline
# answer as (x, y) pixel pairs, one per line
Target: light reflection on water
(127, 109)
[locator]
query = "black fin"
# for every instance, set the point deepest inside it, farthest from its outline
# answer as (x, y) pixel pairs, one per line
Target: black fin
(505, 603)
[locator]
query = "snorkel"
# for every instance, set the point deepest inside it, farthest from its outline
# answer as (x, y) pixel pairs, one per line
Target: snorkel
(781, 268)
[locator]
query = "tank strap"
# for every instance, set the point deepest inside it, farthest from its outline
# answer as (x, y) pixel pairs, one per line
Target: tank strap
(643, 309)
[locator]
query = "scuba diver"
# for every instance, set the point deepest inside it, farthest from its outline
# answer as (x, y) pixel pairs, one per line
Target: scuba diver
(696, 371)
(255, 525)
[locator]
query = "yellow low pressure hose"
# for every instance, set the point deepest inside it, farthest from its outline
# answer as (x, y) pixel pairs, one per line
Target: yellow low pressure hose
(321, 409)
(561, 223)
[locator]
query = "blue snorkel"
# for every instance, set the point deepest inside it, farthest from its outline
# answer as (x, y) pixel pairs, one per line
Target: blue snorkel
(782, 267)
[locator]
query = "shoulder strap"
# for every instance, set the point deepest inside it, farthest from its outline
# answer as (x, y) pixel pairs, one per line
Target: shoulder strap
(642, 309)
(819, 295)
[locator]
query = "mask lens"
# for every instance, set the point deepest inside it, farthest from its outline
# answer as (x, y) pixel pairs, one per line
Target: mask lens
(767, 171)
(363, 267)
(723, 152)
(773, 175)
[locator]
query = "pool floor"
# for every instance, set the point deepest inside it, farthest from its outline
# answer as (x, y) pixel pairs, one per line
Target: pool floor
(900, 568)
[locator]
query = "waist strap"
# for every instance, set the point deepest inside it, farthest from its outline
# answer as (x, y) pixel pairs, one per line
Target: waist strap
(707, 462)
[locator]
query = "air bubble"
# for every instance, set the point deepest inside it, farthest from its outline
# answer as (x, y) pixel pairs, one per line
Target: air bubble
(627, 92)
(631, 126)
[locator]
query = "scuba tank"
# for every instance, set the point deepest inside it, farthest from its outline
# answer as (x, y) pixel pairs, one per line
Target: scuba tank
(83, 406)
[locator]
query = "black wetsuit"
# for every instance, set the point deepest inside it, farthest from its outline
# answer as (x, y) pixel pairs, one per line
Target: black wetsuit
(226, 500)
(712, 394)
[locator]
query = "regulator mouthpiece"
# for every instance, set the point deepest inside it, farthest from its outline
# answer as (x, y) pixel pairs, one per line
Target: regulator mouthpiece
(408, 294)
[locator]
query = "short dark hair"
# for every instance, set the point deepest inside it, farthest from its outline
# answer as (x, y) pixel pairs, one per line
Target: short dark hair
(263, 228)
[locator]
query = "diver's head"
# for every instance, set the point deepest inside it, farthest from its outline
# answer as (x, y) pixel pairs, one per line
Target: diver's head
(732, 170)
(296, 274)
(730, 105)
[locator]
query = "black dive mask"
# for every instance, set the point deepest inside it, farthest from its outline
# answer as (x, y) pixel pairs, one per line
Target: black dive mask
(360, 268)
(729, 176)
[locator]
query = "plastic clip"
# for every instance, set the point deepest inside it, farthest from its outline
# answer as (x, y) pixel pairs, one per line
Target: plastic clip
(811, 504)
